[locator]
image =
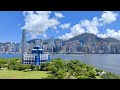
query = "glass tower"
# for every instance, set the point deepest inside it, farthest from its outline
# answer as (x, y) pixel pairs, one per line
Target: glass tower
(23, 41)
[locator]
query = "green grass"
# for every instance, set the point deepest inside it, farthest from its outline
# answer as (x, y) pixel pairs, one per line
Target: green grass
(12, 74)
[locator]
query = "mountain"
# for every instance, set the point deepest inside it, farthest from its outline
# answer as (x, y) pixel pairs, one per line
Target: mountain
(109, 39)
(89, 37)
(45, 41)
(86, 37)
(32, 41)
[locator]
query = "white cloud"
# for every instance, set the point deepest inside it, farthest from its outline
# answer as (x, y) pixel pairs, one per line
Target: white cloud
(58, 15)
(33, 35)
(64, 26)
(102, 35)
(108, 17)
(37, 22)
(91, 26)
(82, 27)
(111, 33)
(44, 35)
(57, 31)
(75, 30)
(66, 36)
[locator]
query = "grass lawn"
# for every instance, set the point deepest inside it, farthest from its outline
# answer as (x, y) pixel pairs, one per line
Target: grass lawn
(12, 74)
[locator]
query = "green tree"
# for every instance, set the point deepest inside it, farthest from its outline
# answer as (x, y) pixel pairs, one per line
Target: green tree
(32, 67)
(92, 74)
(83, 77)
(98, 70)
(79, 71)
(37, 68)
(109, 75)
(50, 77)
(59, 64)
(43, 66)
(0, 65)
(89, 68)
(53, 69)
(60, 74)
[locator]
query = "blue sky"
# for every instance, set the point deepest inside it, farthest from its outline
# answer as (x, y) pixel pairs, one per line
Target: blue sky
(58, 24)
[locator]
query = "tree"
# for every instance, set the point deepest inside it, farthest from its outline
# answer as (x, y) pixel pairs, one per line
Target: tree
(37, 68)
(83, 77)
(89, 68)
(49, 68)
(26, 66)
(0, 65)
(69, 65)
(59, 59)
(44, 66)
(109, 75)
(92, 74)
(59, 64)
(32, 67)
(79, 70)
(60, 74)
(50, 77)
(53, 69)
(98, 70)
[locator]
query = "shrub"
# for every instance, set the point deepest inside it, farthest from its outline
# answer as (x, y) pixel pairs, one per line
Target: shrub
(53, 69)
(110, 75)
(83, 77)
(26, 70)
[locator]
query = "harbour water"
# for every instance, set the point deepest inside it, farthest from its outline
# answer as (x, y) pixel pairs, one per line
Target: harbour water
(107, 62)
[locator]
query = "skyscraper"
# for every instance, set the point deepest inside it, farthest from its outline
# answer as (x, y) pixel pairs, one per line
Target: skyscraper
(23, 41)
(52, 44)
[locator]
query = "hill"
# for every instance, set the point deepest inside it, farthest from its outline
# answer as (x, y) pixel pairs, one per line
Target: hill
(109, 39)
(89, 37)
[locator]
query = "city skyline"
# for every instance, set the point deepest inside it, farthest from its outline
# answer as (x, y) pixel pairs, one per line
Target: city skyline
(57, 24)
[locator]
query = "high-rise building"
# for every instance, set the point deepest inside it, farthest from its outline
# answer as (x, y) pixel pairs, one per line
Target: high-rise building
(52, 44)
(7, 48)
(2, 49)
(23, 41)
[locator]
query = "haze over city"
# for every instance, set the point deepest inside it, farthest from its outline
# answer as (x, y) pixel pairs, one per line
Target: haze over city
(58, 24)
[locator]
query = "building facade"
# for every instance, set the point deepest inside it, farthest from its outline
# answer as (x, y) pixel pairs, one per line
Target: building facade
(36, 57)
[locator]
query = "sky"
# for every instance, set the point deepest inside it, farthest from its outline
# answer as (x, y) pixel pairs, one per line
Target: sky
(58, 24)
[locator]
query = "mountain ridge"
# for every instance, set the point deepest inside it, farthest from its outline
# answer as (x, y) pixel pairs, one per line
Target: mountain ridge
(83, 37)
(89, 37)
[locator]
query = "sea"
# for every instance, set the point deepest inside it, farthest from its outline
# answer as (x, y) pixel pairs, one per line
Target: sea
(106, 62)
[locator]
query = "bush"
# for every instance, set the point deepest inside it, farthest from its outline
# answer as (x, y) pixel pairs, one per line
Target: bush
(53, 69)
(59, 59)
(43, 67)
(92, 74)
(50, 77)
(83, 77)
(98, 70)
(26, 70)
(60, 74)
(32, 67)
(89, 68)
(110, 75)
(37, 68)
(59, 64)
